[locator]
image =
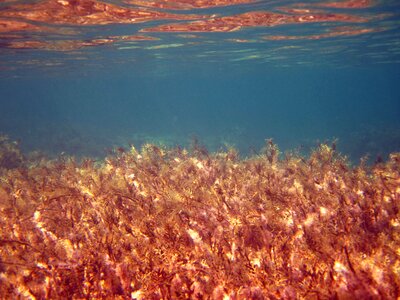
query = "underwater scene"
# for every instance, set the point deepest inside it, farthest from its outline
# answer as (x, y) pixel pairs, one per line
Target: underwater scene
(199, 149)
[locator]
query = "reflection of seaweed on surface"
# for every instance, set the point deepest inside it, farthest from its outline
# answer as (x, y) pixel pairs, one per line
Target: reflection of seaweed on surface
(170, 223)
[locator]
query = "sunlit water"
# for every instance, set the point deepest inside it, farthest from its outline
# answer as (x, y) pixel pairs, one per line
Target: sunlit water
(81, 77)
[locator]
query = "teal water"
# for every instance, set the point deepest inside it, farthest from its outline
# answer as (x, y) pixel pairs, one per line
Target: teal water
(82, 81)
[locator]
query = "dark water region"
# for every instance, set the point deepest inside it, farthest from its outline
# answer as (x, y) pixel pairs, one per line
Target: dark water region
(297, 107)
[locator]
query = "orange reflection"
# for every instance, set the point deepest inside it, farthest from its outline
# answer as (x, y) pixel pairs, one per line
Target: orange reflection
(48, 15)
(7, 25)
(186, 4)
(85, 12)
(28, 45)
(350, 4)
(335, 32)
(252, 19)
(11, 36)
(133, 38)
(66, 45)
(301, 11)
(340, 4)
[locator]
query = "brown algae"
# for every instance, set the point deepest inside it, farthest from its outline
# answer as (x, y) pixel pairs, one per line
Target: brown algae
(174, 224)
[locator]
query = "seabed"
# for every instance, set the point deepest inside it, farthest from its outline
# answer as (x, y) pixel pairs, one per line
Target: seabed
(171, 223)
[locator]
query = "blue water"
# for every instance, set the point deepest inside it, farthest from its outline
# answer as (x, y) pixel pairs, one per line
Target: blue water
(224, 92)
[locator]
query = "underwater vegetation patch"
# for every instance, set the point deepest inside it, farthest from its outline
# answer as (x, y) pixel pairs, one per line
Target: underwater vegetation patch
(164, 223)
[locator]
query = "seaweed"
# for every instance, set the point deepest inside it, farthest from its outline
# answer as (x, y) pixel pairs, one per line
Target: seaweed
(161, 223)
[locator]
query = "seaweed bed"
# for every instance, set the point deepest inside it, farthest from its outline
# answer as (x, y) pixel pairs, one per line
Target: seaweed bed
(175, 224)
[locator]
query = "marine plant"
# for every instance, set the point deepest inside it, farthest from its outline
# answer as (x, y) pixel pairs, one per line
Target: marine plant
(162, 223)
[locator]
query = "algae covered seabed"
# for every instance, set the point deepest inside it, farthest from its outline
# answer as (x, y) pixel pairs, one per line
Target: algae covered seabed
(171, 223)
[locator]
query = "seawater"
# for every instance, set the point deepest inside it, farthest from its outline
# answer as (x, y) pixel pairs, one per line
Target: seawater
(300, 84)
